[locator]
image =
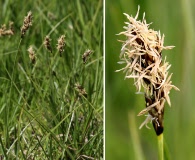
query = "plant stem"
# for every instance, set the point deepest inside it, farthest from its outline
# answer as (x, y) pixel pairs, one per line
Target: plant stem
(160, 147)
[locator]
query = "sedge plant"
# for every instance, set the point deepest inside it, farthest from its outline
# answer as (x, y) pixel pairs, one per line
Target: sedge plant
(51, 102)
(142, 54)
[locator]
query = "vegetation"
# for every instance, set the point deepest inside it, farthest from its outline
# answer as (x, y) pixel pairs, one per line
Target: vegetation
(124, 140)
(142, 53)
(51, 104)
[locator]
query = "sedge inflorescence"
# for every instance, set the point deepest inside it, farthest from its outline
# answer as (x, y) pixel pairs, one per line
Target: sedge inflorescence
(142, 54)
(47, 43)
(4, 31)
(32, 55)
(61, 44)
(26, 23)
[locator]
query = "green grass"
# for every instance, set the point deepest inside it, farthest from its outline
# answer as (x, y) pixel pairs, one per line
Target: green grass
(174, 19)
(42, 115)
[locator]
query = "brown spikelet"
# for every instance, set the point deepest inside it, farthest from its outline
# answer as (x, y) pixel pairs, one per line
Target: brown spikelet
(47, 43)
(4, 31)
(61, 44)
(142, 53)
(81, 90)
(26, 23)
(32, 55)
(86, 55)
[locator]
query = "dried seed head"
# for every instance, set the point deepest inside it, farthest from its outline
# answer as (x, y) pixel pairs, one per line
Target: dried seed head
(4, 31)
(142, 53)
(86, 55)
(61, 44)
(27, 23)
(81, 90)
(47, 43)
(32, 55)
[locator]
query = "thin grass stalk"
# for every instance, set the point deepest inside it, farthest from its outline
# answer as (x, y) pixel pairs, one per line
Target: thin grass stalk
(3, 148)
(160, 147)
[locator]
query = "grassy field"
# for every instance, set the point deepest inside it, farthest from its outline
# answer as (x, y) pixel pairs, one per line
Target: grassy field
(51, 104)
(124, 140)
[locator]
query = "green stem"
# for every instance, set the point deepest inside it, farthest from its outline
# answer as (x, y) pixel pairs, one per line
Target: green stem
(160, 147)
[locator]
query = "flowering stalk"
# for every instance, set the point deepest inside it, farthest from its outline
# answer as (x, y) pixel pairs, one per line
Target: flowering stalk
(142, 54)
(26, 23)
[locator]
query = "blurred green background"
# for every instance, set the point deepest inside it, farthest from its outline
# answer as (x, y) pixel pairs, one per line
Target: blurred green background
(124, 140)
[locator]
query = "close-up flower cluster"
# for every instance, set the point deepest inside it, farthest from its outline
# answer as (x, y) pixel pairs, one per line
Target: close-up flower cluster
(142, 54)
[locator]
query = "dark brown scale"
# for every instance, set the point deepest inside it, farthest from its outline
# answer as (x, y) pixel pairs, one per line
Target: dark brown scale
(142, 56)
(134, 33)
(143, 65)
(148, 100)
(162, 94)
(139, 41)
(157, 85)
(150, 58)
(159, 128)
(158, 121)
(157, 48)
(147, 81)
